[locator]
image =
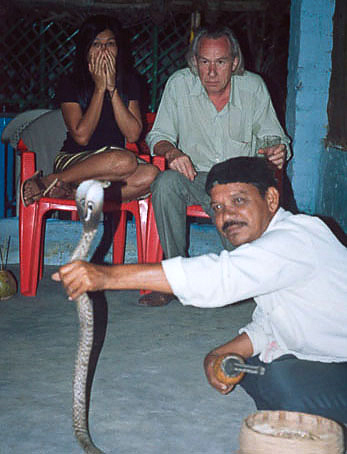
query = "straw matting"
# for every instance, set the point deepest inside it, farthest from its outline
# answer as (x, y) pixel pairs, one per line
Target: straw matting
(290, 432)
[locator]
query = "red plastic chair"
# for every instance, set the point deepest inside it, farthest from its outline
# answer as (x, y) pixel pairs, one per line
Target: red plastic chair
(153, 249)
(32, 223)
(141, 146)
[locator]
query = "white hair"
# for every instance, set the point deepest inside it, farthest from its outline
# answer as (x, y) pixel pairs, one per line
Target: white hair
(215, 33)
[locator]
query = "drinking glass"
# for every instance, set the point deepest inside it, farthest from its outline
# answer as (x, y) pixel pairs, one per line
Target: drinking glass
(266, 142)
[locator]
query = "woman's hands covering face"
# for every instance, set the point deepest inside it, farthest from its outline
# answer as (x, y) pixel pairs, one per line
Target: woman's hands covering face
(102, 67)
(110, 67)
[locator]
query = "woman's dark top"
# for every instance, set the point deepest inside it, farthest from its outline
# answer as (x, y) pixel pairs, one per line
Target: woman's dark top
(106, 132)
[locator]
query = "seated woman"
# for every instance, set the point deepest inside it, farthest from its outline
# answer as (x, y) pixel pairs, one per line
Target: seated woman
(100, 106)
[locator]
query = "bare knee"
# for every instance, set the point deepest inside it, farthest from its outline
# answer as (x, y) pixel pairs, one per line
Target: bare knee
(144, 176)
(121, 163)
(149, 174)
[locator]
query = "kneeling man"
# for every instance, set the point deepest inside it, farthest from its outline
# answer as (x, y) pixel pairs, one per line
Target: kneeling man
(293, 267)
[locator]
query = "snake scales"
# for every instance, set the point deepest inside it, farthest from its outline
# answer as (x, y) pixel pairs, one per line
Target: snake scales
(89, 200)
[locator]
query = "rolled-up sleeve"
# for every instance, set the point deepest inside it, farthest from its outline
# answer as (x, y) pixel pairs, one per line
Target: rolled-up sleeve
(257, 331)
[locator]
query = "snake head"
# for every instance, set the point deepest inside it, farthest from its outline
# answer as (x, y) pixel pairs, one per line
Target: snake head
(89, 200)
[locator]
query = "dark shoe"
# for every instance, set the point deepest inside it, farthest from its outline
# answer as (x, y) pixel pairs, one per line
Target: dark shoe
(155, 299)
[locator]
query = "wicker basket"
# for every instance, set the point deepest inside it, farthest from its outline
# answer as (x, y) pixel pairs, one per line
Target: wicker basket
(284, 432)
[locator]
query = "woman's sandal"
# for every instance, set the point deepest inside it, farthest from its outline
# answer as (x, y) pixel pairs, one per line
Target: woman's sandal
(57, 189)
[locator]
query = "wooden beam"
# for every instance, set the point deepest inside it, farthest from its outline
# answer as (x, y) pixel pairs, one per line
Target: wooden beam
(229, 5)
(224, 5)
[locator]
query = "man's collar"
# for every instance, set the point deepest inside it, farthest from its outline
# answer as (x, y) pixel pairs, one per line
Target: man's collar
(197, 89)
(234, 98)
(278, 216)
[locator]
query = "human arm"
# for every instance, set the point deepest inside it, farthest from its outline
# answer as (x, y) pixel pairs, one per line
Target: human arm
(275, 154)
(128, 118)
(79, 277)
(265, 123)
(176, 159)
(267, 265)
(162, 139)
(82, 124)
(240, 345)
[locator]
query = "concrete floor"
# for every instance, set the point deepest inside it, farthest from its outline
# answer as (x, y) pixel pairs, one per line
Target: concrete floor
(149, 395)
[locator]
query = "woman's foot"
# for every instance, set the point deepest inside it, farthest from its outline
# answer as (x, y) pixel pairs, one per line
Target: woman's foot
(39, 186)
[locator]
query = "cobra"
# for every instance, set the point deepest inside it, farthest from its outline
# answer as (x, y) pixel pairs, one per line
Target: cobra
(89, 200)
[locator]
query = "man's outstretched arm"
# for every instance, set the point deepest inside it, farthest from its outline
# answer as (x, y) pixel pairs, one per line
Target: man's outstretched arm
(80, 277)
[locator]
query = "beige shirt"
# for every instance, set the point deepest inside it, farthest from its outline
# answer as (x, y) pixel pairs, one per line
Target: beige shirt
(188, 119)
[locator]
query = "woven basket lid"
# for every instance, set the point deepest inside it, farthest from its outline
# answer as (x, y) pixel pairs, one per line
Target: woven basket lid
(284, 432)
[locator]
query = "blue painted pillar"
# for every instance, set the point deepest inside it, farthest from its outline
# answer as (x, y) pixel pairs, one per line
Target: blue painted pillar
(309, 68)
(6, 173)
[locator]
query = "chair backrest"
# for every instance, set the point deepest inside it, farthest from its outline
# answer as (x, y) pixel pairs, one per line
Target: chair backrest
(149, 120)
(12, 132)
(45, 136)
(141, 146)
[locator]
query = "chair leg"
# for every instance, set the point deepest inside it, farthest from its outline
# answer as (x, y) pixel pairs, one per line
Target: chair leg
(30, 250)
(74, 216)
(141, 219)
(139, 210)
(153, 252)
(119, 238)
(153, 249)
(42, 247)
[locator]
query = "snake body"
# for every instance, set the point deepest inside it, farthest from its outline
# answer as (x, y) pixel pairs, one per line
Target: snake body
(89, 200)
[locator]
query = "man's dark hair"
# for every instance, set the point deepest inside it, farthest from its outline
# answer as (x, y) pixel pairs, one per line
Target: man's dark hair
(244, 169)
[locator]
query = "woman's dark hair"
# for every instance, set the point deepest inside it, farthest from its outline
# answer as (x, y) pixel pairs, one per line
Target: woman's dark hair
(89, 30)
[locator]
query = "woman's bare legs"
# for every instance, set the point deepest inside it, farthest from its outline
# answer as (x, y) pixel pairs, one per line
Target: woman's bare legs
(115, 166)
(139, 182)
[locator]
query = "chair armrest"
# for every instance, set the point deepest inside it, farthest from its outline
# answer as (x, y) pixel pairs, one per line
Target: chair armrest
(141, 146)
(160, 162)
(132, 146)
(145, 157)
(27, 165)
(138, 147)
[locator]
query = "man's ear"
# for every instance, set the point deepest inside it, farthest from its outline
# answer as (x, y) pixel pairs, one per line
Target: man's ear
(234, 64)
(272, 198)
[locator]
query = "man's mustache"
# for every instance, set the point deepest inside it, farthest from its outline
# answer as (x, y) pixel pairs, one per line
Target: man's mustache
(228, 224)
